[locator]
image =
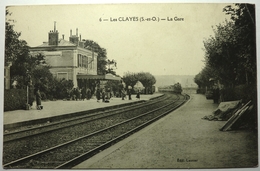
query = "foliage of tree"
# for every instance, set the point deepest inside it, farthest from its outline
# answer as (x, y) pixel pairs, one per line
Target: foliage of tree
(243, 16)
(230, 56)
(14, 99)
(202, 79)
(33, 64)
(60, 89)
(130, 79)
(115, 86)
(101, 57)
(17, 52)
(220, 53)
(147, 79)
(42, 78)
(28, 69)
(13, 46)
(110, 68)
(102, 61)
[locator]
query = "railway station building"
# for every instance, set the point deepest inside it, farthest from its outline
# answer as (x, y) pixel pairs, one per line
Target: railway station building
(70, 60)
(67, 59)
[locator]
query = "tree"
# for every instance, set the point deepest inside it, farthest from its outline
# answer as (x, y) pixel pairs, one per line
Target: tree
(101, 58)
(115, 86)
(110, 69)
(13, 46)
(17, 52)
(147, 79)
(231, 53)
(28, 69)
(42, 78)
(230, 56)
(221, 53)
(130, 79)
(60, 89)
(243, 17)
(202, 79)
(102, 61)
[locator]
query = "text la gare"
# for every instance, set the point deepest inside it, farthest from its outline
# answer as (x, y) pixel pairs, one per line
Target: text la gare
(124, 19)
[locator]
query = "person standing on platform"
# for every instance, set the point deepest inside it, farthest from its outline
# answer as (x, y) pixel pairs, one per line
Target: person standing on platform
(74, 94)
(129, 92)
(107, 95)
(215, 94)
(83, 93)
(98, 95)
(77, 94)
(38, 99)
(138, 94)
(31, 96)
(103, 95)
(88, 93)
(123, 94)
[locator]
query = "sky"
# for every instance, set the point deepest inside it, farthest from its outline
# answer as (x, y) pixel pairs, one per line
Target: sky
(160, 47)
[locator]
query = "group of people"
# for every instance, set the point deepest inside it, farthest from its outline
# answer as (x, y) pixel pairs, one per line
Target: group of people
(35, 94)
(104, 94)
(80, 94)
(129, 92)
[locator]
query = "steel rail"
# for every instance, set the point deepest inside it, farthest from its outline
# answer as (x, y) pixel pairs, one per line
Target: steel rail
(89, 135)
(8, 156)
(117, 111)
(86, 155)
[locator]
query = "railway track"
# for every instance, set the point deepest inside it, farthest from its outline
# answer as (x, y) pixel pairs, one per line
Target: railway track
(33, 130)
(78, 140)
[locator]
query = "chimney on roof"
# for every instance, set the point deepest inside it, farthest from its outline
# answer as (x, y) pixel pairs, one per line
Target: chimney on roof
(81, 43)
(63, 36)
(54, 36)
(54, 26)
(74, 38)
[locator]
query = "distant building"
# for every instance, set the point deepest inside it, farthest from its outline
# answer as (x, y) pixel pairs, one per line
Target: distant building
(68, 59)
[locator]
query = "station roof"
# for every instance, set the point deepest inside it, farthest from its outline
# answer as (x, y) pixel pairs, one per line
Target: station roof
(61, 42)
(98, 77)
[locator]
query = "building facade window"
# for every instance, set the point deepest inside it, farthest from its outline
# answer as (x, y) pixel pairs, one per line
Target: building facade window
(84, 61)
(80, 57)
(90, 63)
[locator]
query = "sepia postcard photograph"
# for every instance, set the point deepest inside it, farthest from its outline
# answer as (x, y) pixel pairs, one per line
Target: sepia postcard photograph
(158, 85)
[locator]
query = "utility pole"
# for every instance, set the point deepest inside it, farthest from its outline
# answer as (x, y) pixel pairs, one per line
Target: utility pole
(28, 83)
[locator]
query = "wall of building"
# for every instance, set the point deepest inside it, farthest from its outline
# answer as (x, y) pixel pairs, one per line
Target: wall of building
(63, 58)
(60, 73)
(86, 62)
(67, 58)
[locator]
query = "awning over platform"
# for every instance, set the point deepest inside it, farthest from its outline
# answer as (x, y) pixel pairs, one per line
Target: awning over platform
(98, 77)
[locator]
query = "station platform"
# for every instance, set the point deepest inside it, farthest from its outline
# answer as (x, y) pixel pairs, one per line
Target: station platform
(181, 140)
(60, 108)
